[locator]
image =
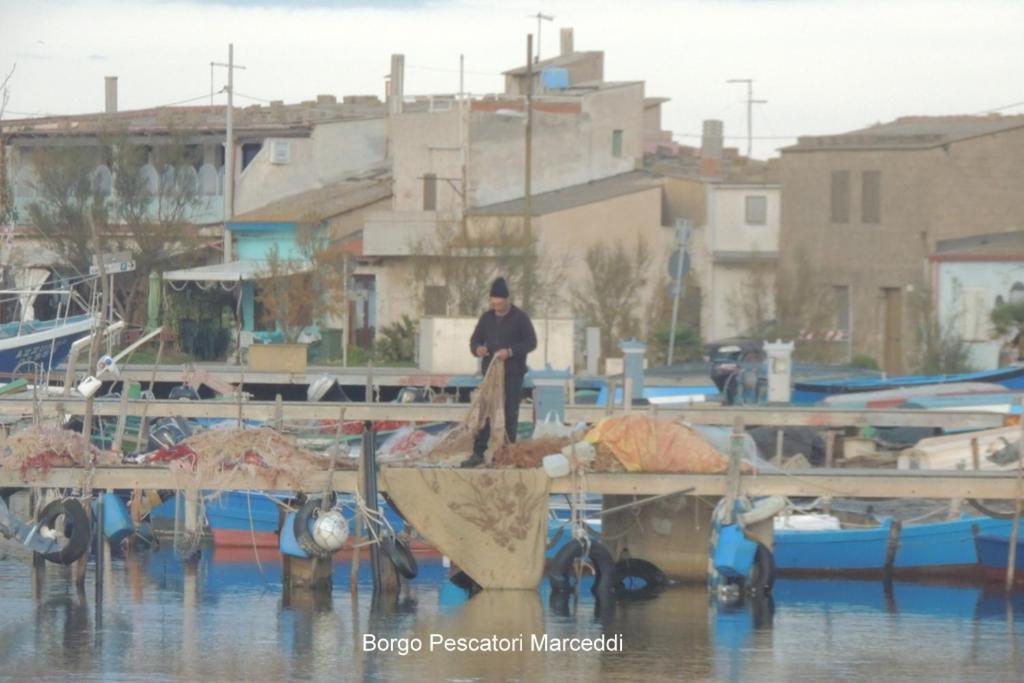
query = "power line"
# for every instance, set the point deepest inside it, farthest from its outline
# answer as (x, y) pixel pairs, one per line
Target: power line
(453, 71)
(995, 109)
(739, 137)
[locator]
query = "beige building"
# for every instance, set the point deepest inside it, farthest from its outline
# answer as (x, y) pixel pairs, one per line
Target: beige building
(458, 163)
(864, 210)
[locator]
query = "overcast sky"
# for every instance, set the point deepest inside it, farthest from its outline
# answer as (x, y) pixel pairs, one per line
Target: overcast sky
(824, 66)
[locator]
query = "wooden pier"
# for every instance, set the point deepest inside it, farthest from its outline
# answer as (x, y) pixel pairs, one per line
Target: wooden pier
(836, 482)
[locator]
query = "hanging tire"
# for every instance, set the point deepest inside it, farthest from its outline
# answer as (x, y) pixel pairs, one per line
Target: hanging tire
(762, 573)
(465, 582)
(400, 555)
(561, 574)
(75, 527)
(638, 579)
(300, 526)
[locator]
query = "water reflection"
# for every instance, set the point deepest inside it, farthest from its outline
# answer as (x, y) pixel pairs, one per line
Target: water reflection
(228, 617)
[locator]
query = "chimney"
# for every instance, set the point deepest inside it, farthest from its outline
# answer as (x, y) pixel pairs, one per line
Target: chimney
(711, 149)
(396, 84)
(565, 35)
(711, 140)
(110, 83)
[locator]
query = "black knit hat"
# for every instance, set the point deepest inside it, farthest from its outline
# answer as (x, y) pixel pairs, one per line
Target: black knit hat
(500, 288)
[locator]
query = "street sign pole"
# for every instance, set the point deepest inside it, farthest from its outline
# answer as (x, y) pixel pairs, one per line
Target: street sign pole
(682, 240)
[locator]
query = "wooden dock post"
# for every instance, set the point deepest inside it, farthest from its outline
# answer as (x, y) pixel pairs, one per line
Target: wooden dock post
(370, 486)
(100, 559)
(1011, 560)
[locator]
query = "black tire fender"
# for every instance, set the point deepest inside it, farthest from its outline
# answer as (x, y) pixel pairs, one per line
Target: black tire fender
(762, 574)
(77, 529)
(560, 571)
(400, 555)
(300, 526)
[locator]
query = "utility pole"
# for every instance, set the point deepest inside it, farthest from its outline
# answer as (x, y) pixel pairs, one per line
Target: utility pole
(527, 196)
(682, 244)
(229, 150)
(540, 17)
(750, 110)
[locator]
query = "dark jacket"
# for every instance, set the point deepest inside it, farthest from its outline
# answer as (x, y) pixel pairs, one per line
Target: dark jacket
(511, 331)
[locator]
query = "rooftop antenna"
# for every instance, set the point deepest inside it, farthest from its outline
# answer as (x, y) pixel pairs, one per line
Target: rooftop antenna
(750, 110)
(540, 17)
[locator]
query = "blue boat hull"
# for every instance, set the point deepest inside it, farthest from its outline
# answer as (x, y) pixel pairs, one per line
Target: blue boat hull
(811, 392)
(944, 549)
(994, 555)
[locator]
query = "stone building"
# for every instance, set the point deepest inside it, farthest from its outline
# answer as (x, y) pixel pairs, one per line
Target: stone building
(863, 211)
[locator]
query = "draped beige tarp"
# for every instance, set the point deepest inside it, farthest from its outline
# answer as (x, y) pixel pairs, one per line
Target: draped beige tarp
(491, 523)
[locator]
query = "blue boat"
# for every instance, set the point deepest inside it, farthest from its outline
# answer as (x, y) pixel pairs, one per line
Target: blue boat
(994, 555)
(847, 551)
(941, 549)
(46, 342)
(813, 391)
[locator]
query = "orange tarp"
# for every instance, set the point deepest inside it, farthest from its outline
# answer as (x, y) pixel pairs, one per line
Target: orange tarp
(646, 444)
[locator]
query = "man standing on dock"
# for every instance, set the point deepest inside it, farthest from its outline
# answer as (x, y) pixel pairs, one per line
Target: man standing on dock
(504, 332)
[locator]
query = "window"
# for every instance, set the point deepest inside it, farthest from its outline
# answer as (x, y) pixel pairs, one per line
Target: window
(757, 209)
(616, 143)
(840, 196)
(435, 300)
(249, 152)
(871, 197)
(430, 192)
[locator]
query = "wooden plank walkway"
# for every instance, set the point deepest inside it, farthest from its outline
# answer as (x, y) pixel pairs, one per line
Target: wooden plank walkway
(846, 483)
(454, 412)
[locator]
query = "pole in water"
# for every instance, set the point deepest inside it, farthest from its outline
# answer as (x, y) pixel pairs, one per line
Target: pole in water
(1011, 560)
(370, 486)
(100, 542)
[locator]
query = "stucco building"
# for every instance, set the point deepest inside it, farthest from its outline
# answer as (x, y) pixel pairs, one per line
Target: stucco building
(864, 210)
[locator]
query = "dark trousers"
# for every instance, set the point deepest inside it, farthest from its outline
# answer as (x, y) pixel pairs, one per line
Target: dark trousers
(513, 392)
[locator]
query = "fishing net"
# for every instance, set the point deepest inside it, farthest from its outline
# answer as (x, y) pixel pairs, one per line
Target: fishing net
(488, 403)
(262, 456)
(34, 450)
(530, 453)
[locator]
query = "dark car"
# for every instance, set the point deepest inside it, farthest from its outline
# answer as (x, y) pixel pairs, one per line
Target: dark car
(736, 368)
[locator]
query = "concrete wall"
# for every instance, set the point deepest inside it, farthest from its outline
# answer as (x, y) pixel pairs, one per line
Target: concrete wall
(568, 148)
(967, 188)
(731, 230)
(331, 152)
(425, 142)
(444, 345)
(957, 281)
(566, 235)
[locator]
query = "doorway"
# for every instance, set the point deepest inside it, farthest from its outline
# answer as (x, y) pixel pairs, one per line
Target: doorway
(893, 330)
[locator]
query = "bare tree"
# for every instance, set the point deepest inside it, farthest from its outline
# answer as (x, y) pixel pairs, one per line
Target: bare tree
(461, 266)
(688, 328)
(297, 292)
(137, 213)
(752, 304)
(610, 295)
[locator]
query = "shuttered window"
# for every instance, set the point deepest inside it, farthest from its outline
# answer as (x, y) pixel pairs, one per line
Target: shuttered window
(840, 196)
(757, 209)
(871, 197)
(430, 192)
(435, 300)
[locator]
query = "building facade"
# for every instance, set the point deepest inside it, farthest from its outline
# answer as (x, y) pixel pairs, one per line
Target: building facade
(863, 211)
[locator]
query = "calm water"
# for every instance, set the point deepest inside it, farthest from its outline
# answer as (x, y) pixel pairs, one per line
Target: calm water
(230, 621)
